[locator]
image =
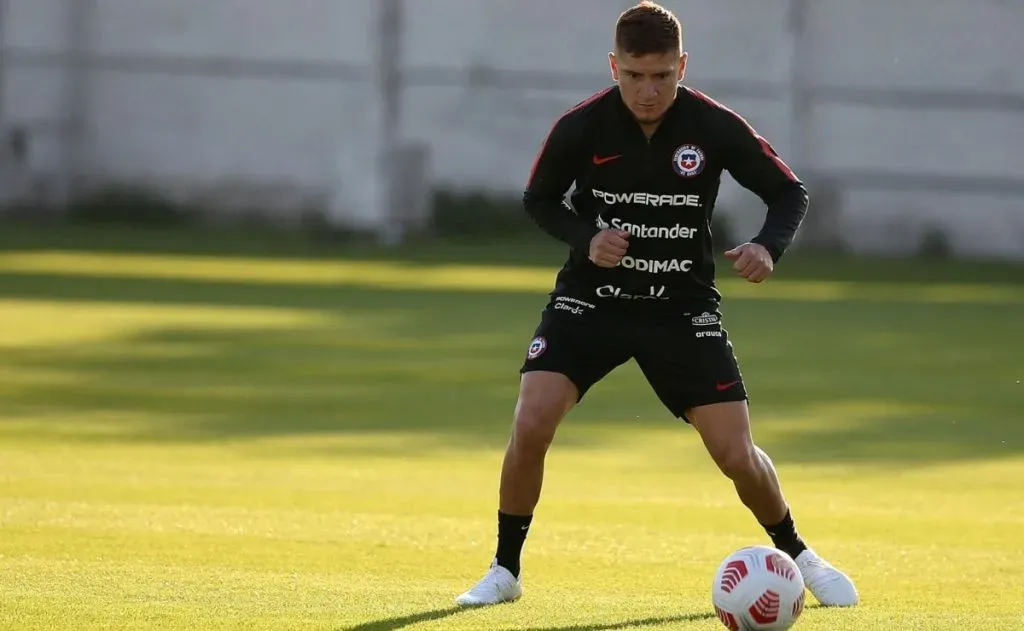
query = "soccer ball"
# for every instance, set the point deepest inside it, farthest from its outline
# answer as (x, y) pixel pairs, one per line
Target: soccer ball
(758, 588)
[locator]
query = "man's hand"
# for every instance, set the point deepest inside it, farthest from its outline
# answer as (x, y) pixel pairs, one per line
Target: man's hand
(608, 247)
(752, 261)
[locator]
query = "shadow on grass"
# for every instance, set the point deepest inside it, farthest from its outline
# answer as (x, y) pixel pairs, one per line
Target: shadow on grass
(456, 389)
(534, 248)
(400, 622)
(638, 623)
(859, 381)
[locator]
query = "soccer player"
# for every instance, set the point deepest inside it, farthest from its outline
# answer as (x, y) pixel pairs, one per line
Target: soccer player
(646, 156)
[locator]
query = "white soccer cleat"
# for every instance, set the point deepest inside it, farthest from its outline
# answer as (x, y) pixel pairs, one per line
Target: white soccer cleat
(829, 586)
(497, 586)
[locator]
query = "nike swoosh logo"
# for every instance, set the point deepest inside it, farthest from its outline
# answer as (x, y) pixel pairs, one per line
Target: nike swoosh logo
(725, 386)
(599, 160)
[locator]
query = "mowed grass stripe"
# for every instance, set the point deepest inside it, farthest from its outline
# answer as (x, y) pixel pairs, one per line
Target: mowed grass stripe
(361, 554)
(455, 277)
(332, 467)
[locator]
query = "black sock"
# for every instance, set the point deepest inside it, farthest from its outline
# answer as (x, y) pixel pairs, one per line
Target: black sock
(512, 531)
(785, 537)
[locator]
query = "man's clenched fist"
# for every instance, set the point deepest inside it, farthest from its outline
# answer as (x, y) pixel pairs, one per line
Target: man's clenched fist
(752, 261)
(608, 247)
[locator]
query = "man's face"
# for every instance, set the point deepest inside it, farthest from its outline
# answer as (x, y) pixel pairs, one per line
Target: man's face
(648, 83)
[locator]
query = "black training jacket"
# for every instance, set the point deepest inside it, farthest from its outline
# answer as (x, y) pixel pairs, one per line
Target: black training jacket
(661, 191)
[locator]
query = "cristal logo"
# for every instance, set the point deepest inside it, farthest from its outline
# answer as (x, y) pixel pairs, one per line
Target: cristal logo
(705, 319)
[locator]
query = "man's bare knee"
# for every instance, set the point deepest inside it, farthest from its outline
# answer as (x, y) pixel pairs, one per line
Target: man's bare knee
(544, 400)
(738, 461)
(725, 430)
(535, 426)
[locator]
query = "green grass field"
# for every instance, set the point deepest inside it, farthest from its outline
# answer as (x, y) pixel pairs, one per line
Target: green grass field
(199, 433)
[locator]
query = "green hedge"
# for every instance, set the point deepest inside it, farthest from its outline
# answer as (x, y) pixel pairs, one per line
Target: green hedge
(130, 205)
(480, 214)
(494, 215)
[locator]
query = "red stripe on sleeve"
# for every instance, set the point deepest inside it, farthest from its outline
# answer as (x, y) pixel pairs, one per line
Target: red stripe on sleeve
(765, 145)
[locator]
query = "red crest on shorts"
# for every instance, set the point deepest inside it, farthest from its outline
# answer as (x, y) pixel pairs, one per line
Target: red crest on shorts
(537, 348)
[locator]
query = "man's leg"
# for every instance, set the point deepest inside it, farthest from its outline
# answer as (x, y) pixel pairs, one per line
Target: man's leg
(544, 400)
(691, 366)
(570, 351)
(725, 429)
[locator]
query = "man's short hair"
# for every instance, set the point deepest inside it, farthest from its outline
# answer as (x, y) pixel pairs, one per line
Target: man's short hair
(648, 28)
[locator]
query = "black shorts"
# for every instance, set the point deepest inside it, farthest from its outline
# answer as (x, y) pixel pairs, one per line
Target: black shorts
(688, 360)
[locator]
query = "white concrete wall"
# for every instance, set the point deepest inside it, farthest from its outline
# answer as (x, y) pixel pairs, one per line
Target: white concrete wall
(156, 109)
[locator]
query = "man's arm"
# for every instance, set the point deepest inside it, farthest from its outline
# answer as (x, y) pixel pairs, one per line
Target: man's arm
(756, 166)
(553, 172)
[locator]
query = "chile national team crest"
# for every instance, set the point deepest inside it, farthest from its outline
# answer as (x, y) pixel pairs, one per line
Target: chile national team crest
(537, 347)
(688, 160)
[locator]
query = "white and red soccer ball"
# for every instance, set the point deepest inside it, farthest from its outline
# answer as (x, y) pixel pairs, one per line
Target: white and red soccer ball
(758, 588)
